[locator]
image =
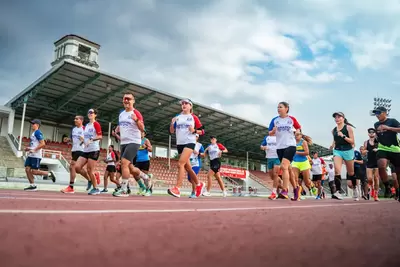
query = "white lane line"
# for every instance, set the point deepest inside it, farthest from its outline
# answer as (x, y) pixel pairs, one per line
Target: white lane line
(179, 210)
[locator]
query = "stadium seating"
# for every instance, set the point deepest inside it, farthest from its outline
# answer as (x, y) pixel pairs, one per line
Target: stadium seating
(163, 176)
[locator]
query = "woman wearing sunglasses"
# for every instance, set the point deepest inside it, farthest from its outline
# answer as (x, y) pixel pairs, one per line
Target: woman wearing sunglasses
(186, 125)
(91, 152)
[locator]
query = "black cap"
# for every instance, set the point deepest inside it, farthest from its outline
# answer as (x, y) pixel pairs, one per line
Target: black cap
(212, 137)
(36, 121)
(371, 129)
(341, 114)
(379, 110)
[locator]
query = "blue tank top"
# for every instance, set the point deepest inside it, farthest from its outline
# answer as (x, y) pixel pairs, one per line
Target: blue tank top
(300, 148)
(142, 154)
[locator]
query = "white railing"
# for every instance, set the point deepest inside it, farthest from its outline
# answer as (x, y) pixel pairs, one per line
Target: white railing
(14, 140)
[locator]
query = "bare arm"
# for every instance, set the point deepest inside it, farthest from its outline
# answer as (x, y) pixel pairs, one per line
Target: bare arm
(148, 145)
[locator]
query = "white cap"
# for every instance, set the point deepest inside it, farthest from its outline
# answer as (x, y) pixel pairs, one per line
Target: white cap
(187, 100)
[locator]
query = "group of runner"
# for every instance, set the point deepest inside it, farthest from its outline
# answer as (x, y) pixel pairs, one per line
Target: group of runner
(287, 153)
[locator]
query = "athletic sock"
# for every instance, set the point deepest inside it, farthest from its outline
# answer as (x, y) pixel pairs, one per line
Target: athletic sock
(71, 184)
(141, 184)
(124, 184)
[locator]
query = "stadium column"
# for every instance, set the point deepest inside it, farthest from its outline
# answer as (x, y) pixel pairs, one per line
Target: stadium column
(22, 127)
(169, 152)
(246, 181)
(11, 118)
(109, 134)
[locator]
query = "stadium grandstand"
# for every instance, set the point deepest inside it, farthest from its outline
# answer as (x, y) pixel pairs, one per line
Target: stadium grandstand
(74, 84)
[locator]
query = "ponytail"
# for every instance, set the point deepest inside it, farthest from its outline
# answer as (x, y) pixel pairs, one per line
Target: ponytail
(348, 123)
(307, 139)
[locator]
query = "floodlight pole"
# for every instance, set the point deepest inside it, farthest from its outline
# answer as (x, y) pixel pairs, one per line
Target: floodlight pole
(109, 133)
(169, 152)
(22, 127)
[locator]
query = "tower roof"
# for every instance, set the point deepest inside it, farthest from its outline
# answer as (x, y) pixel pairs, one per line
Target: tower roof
(78, 38)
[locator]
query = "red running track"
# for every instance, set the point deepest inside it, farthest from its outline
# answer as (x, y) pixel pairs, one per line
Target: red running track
(40, 229)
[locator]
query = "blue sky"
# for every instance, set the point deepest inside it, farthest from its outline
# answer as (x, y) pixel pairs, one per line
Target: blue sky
(240, 56)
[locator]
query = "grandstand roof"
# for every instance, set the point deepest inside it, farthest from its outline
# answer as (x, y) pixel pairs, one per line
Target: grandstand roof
(69, 89)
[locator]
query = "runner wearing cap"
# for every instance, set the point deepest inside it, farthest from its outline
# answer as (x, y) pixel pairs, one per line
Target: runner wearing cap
(214, 151)
(186, 125)
(343, 142)
(77, 137)
(142, 162)
(389, 145)
(195, 161)
(371, 146)
(130, 130)
(34, 156)
(91, 139)
(284, 127)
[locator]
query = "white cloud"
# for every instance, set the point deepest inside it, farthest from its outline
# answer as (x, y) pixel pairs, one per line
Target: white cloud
(321, 46)
(217, 106)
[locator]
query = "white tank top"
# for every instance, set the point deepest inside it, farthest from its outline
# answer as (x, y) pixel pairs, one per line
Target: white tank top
(76, 142)
(92, 130)
(129, 131)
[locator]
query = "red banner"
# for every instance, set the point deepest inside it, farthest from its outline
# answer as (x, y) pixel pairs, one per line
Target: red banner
(233, 172)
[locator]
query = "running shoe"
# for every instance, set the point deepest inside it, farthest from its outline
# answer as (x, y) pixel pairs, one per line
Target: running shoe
(318, 197)
(31, 188)
(52, 176)
(104, 190)
(120, 193)
(206, 194)
(337, 195)
(199, 189)
(68, 190)
(89, 185)
(224, 194)
(94, 191)
(174, 191)
(193, 195)
(284, 194)
(141, 191)
(273, 196)
(314, 191)
(295, 194)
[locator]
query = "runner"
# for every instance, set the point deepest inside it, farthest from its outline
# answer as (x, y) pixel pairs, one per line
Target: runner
(301, 165)
(371, 146)
(111, 170)
(331, 180)
(359, 173)
(34, 156)
(92, 135)
(363, 173)
(215, 151)
(130, 126)
(316, 170)
(273, 163)
(395, 182)
(195, 161)
(142, 162)
(389, 146)
(284, 127)
(343, 142)
(77, 138)
(186, 125)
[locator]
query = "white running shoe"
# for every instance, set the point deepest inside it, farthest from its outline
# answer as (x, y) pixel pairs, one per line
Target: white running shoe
(206, 194)
(224, 194)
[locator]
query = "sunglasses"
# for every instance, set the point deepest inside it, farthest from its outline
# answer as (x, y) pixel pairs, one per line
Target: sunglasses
(371, 132)
(127, 99)
(90, 112)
